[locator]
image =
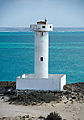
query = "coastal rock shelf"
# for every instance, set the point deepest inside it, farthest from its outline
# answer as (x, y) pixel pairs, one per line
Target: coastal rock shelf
(72, 92)
(70, 99)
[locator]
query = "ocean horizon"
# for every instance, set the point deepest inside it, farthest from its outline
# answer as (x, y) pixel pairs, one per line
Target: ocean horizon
(66, 54)
(27, 29)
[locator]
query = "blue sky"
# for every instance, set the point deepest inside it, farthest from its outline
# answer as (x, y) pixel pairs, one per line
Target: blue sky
(62, 13)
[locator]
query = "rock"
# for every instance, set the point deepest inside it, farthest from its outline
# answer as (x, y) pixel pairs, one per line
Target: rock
(26, 116)
(66, 102)
(2, 97)
(6, 98)
(41, 117)
(30, 119)
(33, 97)
(3, 118)
(73, 97)
(23, 116)
(10, 102)
(72, 102)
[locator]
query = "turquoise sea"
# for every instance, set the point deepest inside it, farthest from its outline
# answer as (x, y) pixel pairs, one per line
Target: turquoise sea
(66, 55)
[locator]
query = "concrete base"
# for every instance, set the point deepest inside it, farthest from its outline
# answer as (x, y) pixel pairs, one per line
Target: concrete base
(54, 82)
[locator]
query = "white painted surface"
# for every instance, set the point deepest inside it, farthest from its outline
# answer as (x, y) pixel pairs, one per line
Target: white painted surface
(41, 50)
(39, 27)
(48, 27)
(63, 81)
(53, 82)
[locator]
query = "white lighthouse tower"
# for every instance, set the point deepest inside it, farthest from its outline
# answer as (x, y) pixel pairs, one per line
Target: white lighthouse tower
(41, 80)
(41, 48)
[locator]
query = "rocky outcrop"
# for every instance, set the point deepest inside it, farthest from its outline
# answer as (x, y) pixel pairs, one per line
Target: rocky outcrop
(72, 92)
(27, 97)
(7, 87)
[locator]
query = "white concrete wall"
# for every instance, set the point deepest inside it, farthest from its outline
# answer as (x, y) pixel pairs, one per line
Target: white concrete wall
(38, 27)
(41, 50)
(48, 27)
(63, 81)
(53, 84)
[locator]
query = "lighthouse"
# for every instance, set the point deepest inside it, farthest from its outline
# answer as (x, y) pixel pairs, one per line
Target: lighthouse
(41, 80)
(41, 48)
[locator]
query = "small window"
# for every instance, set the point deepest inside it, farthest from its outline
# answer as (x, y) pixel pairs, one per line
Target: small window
(41, 33)
(41, 58)
(50, 26)
(43, 26)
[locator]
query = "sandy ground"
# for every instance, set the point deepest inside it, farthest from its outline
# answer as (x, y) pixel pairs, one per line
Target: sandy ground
(67, 111)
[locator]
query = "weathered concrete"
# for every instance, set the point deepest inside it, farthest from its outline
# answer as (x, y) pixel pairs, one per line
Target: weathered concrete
(53, 82)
